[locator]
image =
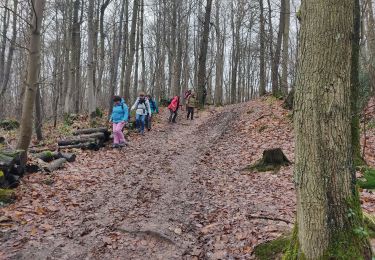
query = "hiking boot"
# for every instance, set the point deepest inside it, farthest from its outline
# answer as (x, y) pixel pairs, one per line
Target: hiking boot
(142, 132)
(115, 146)
(123, 144)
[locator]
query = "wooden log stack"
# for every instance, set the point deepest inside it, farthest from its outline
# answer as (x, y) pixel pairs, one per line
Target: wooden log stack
(89, 138)
(12, 167)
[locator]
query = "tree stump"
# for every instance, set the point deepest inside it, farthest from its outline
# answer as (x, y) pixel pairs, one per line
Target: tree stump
(272, 160)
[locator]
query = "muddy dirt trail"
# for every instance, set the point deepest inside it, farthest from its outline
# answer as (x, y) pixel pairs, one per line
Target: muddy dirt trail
(179, 192)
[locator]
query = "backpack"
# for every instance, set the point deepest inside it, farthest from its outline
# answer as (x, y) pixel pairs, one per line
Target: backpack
(144, 107)
(152, 105)
(141, 101)
(187, 94)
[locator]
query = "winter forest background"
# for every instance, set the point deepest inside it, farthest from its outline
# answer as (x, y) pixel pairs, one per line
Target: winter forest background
(166, 51)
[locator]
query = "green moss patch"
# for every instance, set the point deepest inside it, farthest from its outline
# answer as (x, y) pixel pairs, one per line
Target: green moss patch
(368, 179)
(9, 124)
(7, 196)
(262, 128)
(369, 221)
(272, 249)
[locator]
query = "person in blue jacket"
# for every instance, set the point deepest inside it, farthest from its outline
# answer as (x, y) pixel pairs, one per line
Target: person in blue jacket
(119, 117)
(154, 110)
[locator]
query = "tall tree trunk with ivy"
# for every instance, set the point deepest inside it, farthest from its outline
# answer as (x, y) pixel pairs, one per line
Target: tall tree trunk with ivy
(329, 217)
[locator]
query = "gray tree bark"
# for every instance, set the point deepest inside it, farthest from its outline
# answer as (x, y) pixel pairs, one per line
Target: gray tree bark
(285, 53)
(32, 75)
(262, 63)
(90, 60)
(132, 38)
(203, 55)
(328, 207)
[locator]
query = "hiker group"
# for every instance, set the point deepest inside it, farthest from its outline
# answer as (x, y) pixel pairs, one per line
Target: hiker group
(145, 107)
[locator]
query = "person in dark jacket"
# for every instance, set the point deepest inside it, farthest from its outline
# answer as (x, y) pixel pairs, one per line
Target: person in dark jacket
(154, 110)
(190, 105)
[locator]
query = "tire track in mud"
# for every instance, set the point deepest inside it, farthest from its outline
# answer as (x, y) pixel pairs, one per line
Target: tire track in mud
(171, 213)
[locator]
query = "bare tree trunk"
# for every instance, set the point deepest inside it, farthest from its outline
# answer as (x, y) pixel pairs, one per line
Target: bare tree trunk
(38, 116)
(220, 42)
(32, 75)
(135, 78)
(235, 55)
(102, 49)
(177, 64)
(124, 53)
(77, 97)
(69, 98)
(5, 24)
(172, 49)
(285, 54)
(276, 58)
(90, 60)
(142, 46)
(328, 208)
(5, 79)
(202, 56)
(262, 67)
(271, 43)
(115, 59)
(132, 47)
(371, 43)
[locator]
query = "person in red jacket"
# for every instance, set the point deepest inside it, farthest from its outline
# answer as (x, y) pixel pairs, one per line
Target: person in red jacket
(173, 108)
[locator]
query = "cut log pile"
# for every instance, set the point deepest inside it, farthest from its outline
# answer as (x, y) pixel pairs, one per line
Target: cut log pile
(13, 163)
(90, 138)
(12, 167)
(51, 161)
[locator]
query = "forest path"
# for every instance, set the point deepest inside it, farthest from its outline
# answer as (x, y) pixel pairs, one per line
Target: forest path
(179, 192)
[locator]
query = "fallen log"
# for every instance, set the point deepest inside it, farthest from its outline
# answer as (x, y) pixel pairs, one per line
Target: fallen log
(48, 156)
(90, 131)
(54, 165)
(88, 146)
(70, 157)
(32, 168)
(98, 135)
(76, 141)
(6, 161)
(13, 161)
(42, 149)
